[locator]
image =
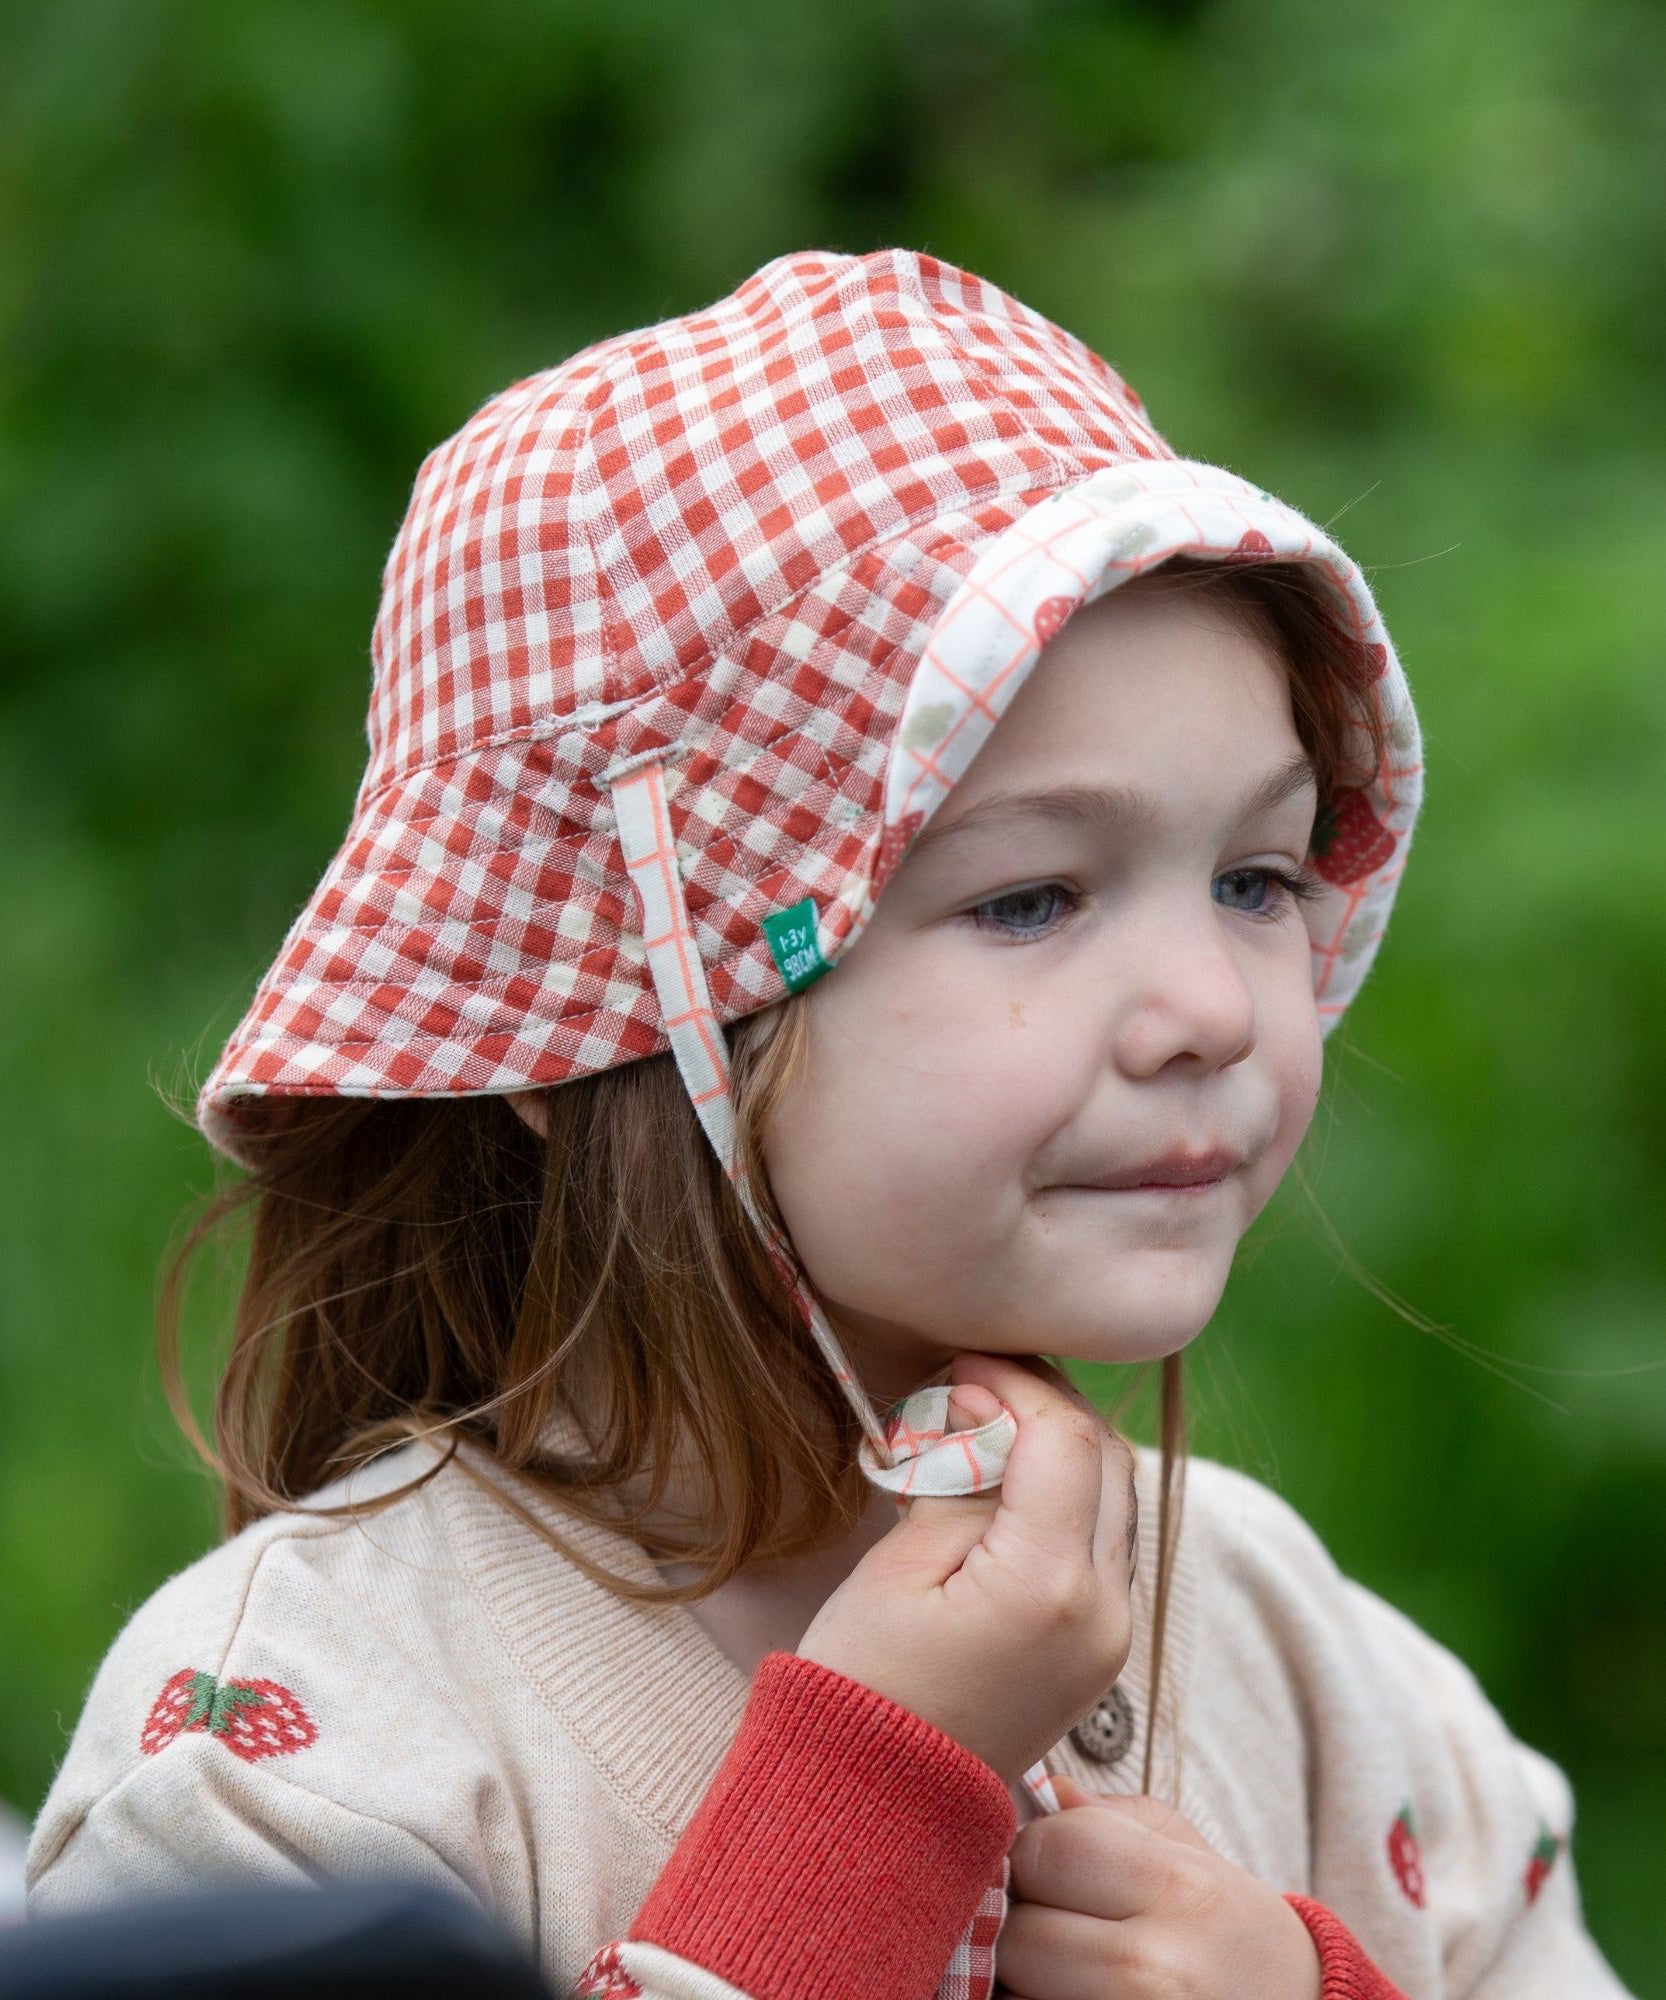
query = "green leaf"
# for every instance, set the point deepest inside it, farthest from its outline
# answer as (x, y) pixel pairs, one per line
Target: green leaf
(203, 1691)
(229, 1704)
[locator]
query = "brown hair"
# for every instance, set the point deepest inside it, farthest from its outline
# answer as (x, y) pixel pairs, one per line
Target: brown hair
(431, 1266)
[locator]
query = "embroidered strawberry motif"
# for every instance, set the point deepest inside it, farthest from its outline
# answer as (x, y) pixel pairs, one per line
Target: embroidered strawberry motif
(1545, 1850)
(1348, 839)
(1376, 658)
(1051, 615)
(253, 1719)
(892, 843)
(1254, 547)
(1403, 1855)
(604, 1978)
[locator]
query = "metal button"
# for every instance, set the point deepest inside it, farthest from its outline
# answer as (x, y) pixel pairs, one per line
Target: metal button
(1106, 1731)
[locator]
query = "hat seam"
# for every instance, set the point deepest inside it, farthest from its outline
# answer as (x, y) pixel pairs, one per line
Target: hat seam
(673, 748)
(584, 720)
(719, 841)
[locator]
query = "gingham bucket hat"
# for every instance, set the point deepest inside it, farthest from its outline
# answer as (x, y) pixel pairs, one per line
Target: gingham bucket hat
(681, 643)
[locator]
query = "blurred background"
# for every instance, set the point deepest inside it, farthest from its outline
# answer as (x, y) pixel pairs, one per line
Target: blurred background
(1401, 263)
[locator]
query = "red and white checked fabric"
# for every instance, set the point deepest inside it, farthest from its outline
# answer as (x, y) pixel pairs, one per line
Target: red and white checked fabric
(971, 1971)
(701, 626)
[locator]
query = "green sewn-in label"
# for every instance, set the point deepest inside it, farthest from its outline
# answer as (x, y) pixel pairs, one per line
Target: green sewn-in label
(792, 941)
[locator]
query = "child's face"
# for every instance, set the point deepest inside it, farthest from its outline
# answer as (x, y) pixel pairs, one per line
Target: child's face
(1138, 989)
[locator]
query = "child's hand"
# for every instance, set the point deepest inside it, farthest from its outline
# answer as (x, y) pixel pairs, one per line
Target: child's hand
(1001, 1618)
(1125, 1896)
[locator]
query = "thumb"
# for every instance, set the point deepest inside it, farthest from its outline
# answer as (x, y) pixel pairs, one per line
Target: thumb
(971, 1406)
(1156, 1815)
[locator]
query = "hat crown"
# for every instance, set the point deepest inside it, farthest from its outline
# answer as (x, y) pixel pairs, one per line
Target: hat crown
(597, 531)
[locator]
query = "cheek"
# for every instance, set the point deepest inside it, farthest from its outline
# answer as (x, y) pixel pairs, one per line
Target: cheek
(916, 1123)
(849, 1167)
(1299, 1069)
(907, 1132)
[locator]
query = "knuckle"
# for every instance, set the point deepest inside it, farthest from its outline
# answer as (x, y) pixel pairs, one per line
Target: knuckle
(1168, 1965)
(1079, 1595)
(1200, 1892)
(1026, 1859)
(1067, 1596)
(1103, 1957)
(1190, 1891)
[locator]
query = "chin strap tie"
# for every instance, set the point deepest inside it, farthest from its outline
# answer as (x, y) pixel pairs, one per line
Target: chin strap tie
(913, 1455)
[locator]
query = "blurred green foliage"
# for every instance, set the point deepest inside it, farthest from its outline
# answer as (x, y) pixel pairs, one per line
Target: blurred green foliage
(1398, 262)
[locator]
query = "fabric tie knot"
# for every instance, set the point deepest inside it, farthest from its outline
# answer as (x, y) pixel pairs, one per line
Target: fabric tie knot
(929, 1461)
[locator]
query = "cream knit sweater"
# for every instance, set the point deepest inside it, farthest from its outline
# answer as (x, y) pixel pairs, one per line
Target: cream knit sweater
(432, 1691)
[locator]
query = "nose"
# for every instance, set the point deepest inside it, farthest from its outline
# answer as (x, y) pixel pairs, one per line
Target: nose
(1184, 993)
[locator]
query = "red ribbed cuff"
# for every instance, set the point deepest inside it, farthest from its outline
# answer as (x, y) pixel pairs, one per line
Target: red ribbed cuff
(841, 1848)
(1344, 1968)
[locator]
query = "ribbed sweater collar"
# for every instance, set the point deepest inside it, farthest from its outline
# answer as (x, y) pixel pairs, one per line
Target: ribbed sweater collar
(652, 1699)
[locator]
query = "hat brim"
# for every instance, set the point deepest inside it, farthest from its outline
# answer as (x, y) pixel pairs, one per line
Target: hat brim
(474, 932)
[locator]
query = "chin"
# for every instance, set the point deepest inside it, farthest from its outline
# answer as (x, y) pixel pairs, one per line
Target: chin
(1138, 1324)
(1123, 1344)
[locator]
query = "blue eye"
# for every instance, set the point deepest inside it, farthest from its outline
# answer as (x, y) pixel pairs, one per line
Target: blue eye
(1042, 893)
(1291, 889)
(1282, 890)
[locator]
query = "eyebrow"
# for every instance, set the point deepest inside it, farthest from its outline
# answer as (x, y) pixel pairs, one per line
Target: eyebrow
(1108, 809)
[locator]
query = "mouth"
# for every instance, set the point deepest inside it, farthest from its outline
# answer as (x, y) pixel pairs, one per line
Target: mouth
(1175, 1173)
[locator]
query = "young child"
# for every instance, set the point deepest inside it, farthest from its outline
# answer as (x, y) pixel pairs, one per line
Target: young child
(713, 1030)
